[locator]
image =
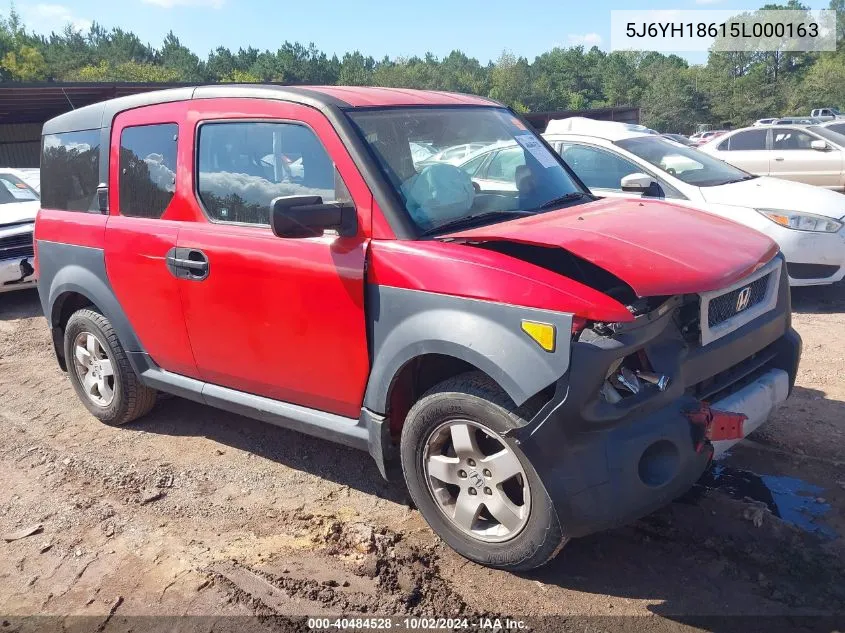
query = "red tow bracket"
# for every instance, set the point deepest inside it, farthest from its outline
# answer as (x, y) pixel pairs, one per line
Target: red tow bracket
(717, 425)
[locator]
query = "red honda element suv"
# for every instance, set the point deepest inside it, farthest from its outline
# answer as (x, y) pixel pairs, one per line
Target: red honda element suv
(541, 363)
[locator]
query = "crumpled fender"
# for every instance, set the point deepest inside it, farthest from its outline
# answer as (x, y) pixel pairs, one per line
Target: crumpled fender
(406, 324)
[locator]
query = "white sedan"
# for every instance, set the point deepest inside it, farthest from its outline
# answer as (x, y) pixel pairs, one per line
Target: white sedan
(614, 161)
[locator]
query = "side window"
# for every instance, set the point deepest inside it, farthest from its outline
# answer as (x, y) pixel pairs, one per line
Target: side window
(147, 169)
(839, 128)
(70, 171)
(503, 165)
(746, 141)
(789, 139)
(472, 166)
(243, 167)
(597, 168)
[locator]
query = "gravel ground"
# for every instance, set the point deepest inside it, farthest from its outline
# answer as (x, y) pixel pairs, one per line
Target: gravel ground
(196, 511)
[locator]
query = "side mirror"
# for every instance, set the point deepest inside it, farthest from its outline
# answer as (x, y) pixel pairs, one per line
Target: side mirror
(309, 216)
(819, 145)
(638, 183)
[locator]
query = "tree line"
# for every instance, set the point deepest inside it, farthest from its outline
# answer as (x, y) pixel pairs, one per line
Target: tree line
(673, 95)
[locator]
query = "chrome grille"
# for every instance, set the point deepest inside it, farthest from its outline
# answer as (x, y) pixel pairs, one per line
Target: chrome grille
(14, 246)
(724, 311)
(732, 303)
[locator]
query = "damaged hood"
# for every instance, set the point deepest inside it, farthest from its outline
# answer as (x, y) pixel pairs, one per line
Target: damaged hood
(655, 247)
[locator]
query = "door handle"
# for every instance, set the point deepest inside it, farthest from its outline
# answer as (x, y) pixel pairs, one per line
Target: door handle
(779, 158)
(191, 264)
(187, 263)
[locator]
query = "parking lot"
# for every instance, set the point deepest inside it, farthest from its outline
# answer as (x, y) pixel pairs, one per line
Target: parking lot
(196, 511)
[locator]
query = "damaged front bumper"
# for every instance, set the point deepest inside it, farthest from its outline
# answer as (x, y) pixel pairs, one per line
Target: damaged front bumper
(608, 463)
(16, 274)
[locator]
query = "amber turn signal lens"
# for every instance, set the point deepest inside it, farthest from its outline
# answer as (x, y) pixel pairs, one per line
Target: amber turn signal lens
(542, 333)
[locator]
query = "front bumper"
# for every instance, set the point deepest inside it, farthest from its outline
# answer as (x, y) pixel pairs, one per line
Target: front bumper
(813, 259)
(17, 273)
(606, 465)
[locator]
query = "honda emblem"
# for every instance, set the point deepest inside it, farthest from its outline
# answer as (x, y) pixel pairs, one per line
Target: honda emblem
(743, 299)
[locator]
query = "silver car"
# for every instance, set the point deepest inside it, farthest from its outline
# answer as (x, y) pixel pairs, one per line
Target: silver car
(811, 154)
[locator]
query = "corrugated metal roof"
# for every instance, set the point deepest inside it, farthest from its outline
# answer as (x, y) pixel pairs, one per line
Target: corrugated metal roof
(20, 144)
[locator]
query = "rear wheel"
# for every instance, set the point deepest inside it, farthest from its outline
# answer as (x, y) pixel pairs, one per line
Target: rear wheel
(476, 489)
(100, 371)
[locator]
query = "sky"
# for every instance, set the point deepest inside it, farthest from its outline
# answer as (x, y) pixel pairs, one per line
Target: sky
(480, 28)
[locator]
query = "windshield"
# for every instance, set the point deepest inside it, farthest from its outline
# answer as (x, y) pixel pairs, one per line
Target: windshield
(13, 189)
(829, 135)
(687, 164)
(494, 166)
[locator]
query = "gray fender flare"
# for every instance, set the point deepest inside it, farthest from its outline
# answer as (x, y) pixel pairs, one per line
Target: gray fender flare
(65, 268)
(407, 324)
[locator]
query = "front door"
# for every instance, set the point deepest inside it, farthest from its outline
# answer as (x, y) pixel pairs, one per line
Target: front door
(276, 317)
(794, 159)
(600, 170)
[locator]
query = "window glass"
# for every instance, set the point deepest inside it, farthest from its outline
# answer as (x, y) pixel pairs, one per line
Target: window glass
(750, 140)
(504, 164)
(147, 169)
(472, 165)
(597, 168)
(70, 169)
(688, 164)
(788, 139)
(831, 134)
(243, 167)
(438, 194)
(13, 189)
(839, 128)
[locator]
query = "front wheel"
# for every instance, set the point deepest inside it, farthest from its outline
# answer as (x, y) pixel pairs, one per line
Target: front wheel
(476, 489)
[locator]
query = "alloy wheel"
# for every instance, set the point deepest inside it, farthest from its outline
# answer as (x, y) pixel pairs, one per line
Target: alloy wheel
(94, 369)
(477, 480)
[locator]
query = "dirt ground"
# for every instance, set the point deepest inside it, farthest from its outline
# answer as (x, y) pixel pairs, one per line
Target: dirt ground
(196, 511)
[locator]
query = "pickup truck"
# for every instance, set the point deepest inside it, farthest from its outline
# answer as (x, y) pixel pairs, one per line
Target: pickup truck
(537, 363)
(826, 114)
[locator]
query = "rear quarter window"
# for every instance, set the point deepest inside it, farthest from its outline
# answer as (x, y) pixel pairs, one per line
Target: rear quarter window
(70, 168)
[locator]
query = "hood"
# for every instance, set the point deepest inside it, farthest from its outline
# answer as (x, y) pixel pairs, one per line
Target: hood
(774, 193)
(17, 212)
(655, 247)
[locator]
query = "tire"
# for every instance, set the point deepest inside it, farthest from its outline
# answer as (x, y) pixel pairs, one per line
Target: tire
(129, 398)
(428, 436)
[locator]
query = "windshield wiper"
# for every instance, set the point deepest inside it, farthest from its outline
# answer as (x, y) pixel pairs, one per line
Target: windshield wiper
(472, 219)
(570, 197)
(743, 179)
